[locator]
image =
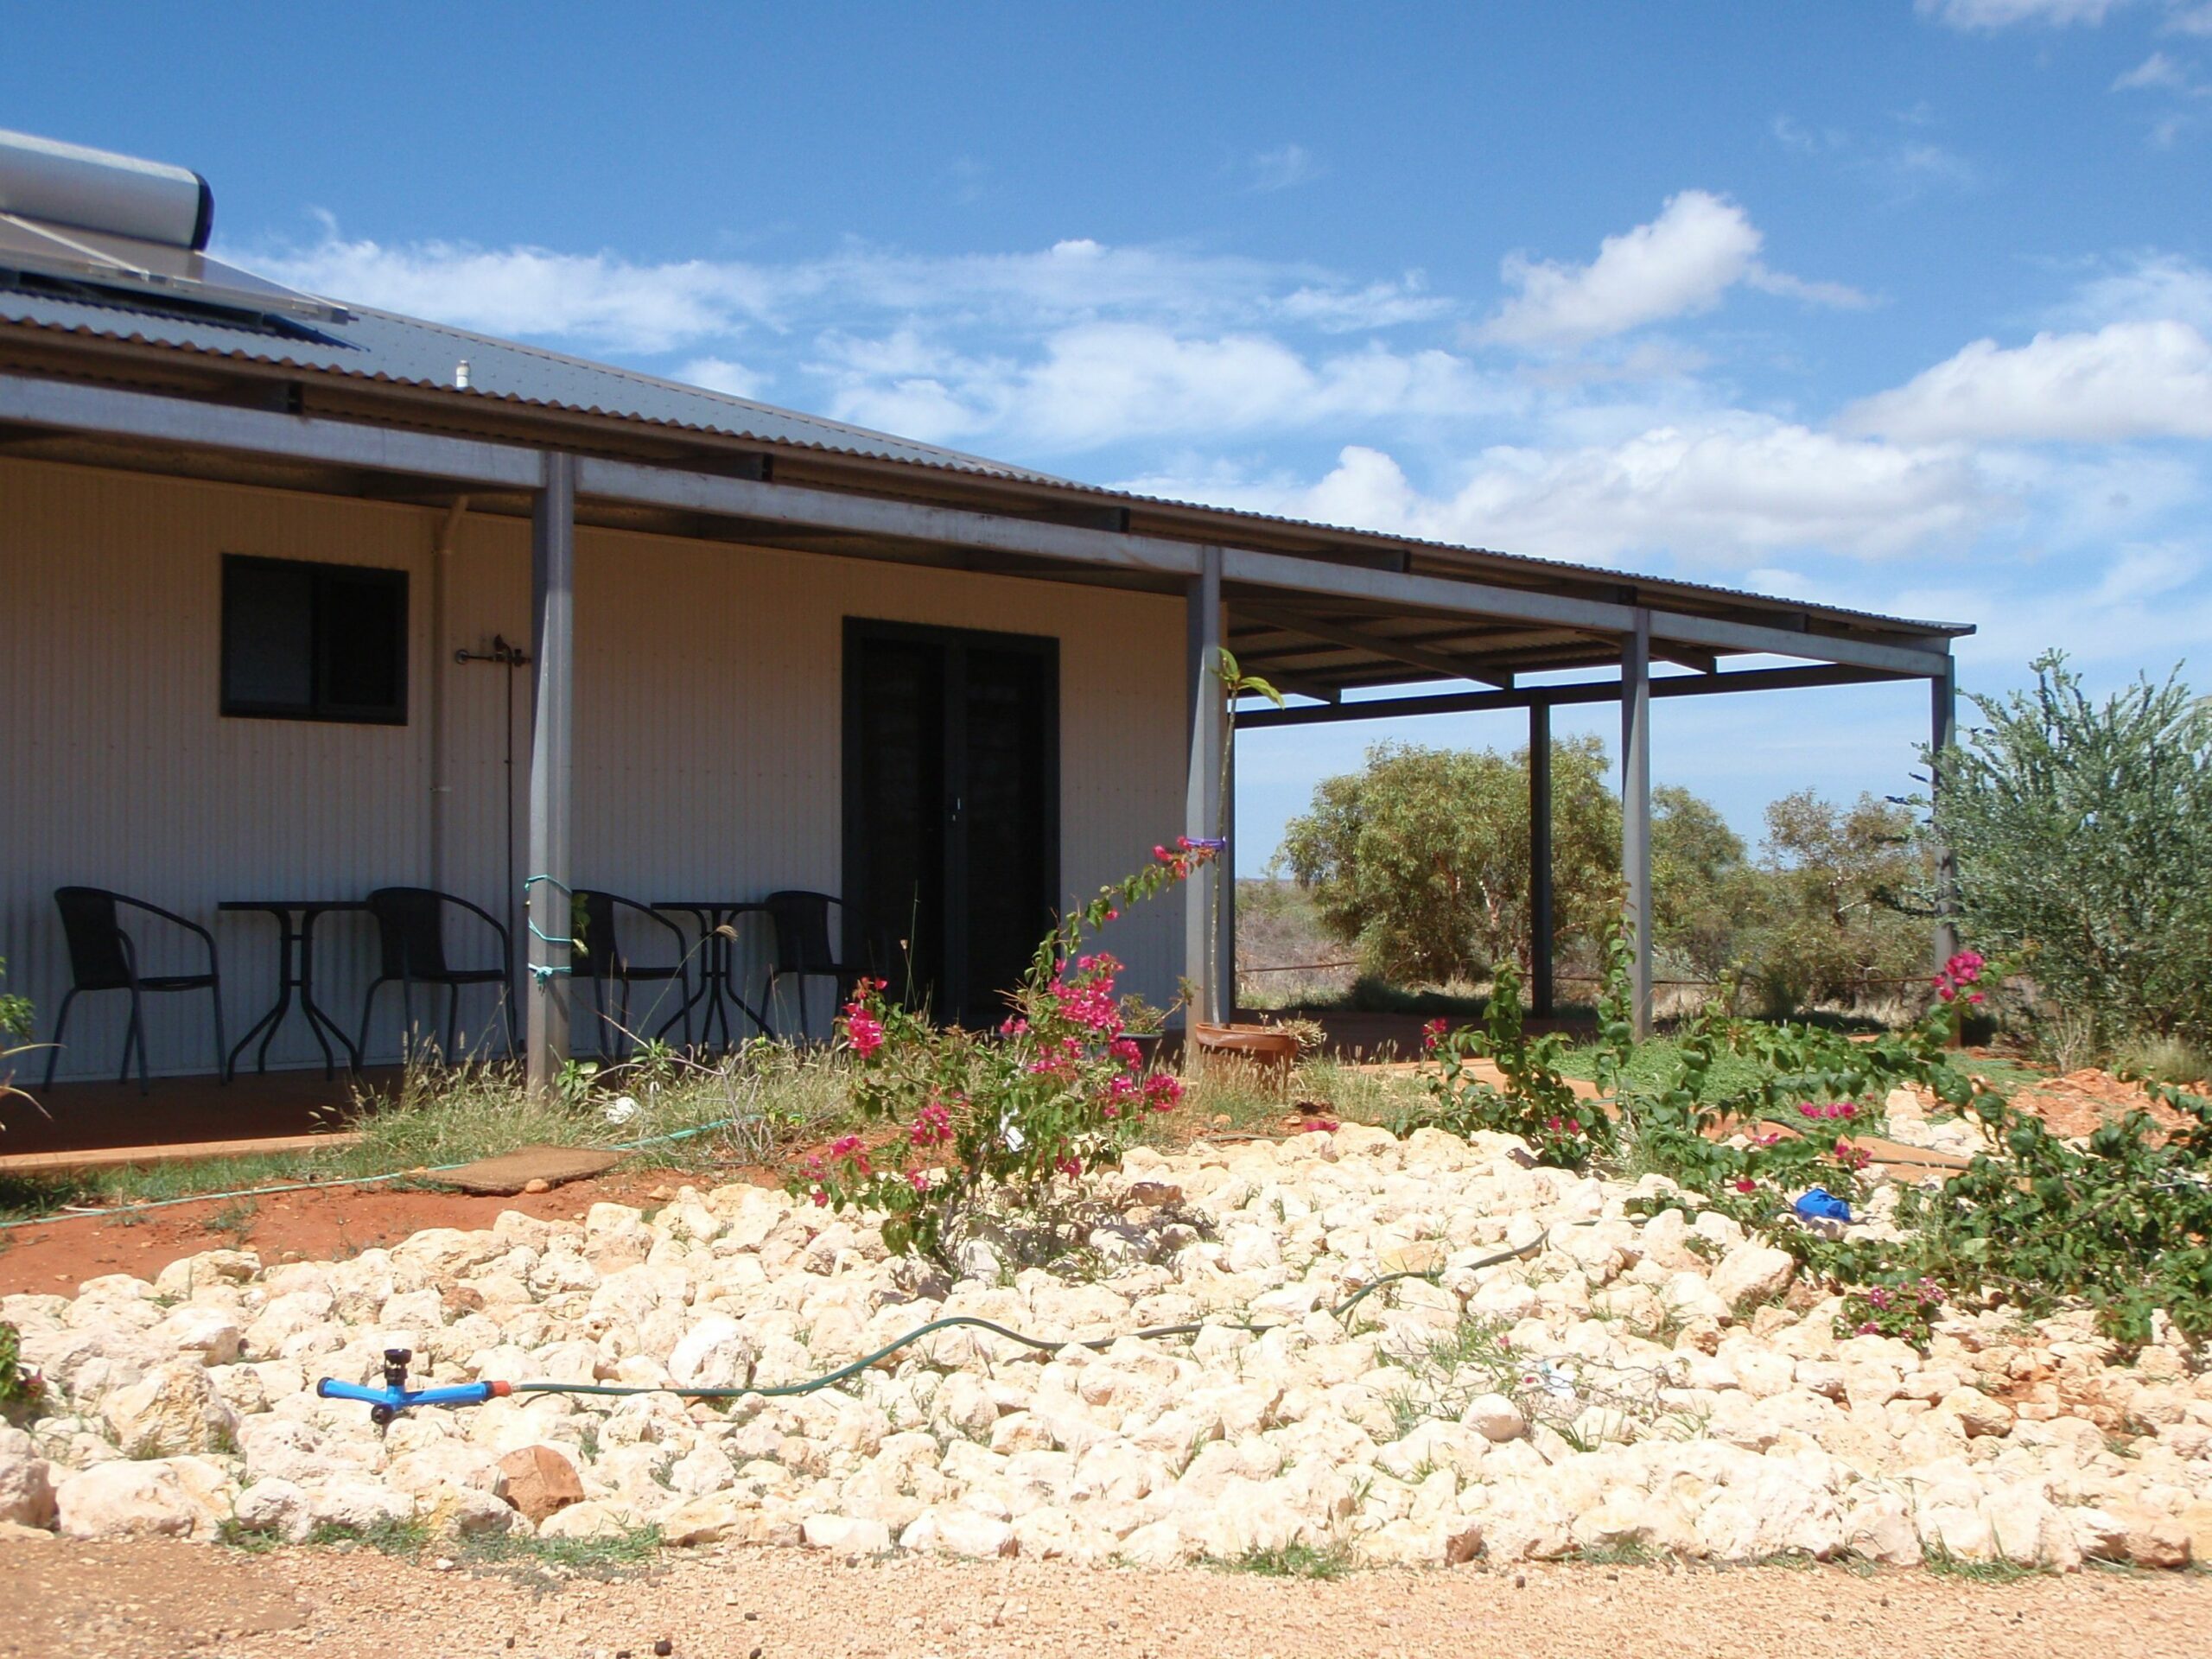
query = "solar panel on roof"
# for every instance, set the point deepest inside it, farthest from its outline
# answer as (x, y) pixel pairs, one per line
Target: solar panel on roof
(84, 218)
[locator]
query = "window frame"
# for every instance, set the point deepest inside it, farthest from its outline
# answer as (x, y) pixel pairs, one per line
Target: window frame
(320, 707)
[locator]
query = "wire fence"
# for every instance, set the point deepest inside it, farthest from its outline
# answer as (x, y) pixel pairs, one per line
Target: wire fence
(1856, 985)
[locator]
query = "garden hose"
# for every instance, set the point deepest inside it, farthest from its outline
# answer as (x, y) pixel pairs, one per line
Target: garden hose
(395, 1396)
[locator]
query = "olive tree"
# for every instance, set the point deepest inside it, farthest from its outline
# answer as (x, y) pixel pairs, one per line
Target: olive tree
(2083, 836)
(1421, 858)
(1833, 916)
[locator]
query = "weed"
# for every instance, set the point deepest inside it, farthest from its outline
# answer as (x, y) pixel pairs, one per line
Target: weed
(409, 1537)
(1294, 1560)
(1623, 1552)
(602, 1557)
(1940, 1560)
(21, 1388)
(232, 1535)
(235, 1220)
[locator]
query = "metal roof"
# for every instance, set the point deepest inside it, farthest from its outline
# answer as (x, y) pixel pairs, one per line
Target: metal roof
(383, 346)
(373, 347)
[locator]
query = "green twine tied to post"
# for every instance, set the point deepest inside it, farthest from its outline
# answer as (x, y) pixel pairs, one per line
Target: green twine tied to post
(544, 972)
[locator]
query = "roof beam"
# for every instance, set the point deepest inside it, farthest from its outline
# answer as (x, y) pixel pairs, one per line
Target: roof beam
(1473, 703)
(1304, 687)
(1382, 644)
(483, 465)
(198, 425)
(870, 515)
(1247, 568)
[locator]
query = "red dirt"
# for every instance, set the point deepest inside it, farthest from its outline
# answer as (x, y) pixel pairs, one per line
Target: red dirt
(325, 1224)
(2080, 1101)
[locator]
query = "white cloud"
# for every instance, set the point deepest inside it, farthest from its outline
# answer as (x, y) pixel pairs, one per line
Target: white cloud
(2126, 380)
(1101, 383)
(2145, 570)
(534, 291)
(605, 300)
(1681, 263)
(1915, 164)
(2004, 13)
(720, 374)
(2158, 287)
(2156, 70)
(2191, 20)
(1279, 169)
(1732, 491)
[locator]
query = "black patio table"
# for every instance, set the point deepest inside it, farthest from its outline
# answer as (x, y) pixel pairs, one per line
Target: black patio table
(296, 972)
(717, 983)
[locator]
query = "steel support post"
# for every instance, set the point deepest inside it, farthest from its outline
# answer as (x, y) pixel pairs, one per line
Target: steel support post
(1943, 733)
(1203, 790)
(552, 725)
(1541, 994)
(1636, 809)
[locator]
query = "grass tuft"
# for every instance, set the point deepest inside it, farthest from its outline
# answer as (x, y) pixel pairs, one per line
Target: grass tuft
(1294, 1560)
(607, 1557)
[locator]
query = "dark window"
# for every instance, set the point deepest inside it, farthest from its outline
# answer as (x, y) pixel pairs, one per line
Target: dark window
(313, 641)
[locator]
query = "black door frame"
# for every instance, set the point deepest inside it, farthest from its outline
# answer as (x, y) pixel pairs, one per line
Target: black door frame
(859, 632)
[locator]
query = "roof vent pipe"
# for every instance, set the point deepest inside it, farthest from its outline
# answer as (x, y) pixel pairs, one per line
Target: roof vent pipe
(95, 190)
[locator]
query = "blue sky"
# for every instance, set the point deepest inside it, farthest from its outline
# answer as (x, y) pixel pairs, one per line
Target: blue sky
(1903, 306)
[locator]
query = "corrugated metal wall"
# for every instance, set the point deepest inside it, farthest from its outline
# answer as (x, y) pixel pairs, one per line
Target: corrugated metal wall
(708, 733)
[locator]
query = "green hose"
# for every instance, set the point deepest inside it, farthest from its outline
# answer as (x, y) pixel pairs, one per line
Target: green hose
(829, 1379)
(311, 1187)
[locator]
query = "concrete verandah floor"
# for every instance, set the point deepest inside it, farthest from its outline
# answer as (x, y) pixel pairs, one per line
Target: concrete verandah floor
(109, 1122)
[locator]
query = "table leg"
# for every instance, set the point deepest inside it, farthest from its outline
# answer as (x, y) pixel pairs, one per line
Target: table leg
(717, 974)
(266, 1027)
(694, 997)
(318, 1021)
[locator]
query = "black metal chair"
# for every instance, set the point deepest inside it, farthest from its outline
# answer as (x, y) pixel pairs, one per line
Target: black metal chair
(103, 958)
(410, 929)
(803, 950)
(599, 956)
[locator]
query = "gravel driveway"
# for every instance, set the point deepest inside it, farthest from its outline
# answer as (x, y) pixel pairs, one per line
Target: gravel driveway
(157, 1598)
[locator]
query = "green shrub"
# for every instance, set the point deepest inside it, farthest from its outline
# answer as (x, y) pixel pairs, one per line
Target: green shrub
(1537, 1103)
(21, 1388)
(2083, 836)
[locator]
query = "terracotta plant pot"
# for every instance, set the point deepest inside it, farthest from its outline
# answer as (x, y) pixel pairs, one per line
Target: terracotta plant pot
(1268, 1047)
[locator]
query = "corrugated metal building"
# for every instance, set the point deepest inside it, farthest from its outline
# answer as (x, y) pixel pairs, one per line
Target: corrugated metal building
(699, 579)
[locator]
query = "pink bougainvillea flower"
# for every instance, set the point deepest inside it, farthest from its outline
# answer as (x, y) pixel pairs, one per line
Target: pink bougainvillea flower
(1070, 1167)
(919, 1180)
(1433, 1034)
(1746, 1185)
(1162, 1089)
(864, 1032)
(1129, 1056)
(821, 1198)
(932, 1126)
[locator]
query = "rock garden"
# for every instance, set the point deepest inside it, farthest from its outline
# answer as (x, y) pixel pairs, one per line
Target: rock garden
(1723, 1315)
